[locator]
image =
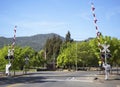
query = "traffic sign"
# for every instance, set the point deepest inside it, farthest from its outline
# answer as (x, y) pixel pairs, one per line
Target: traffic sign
(105, 48)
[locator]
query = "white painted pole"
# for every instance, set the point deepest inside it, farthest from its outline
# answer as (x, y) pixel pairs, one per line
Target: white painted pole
(76, 55)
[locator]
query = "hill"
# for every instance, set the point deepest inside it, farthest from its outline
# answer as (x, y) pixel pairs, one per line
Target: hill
(36, 42)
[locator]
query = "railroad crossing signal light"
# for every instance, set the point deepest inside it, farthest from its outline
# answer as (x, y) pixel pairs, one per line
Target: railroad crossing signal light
(11, 57)
(108, 55)
(103, 55)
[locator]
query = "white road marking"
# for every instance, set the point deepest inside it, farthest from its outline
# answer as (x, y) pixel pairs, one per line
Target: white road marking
(69, 79)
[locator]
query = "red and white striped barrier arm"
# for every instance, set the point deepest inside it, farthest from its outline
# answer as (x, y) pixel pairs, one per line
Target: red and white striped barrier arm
(14, 38)
(96, 27)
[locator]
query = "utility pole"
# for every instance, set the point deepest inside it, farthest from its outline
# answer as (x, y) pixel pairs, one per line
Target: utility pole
(76, 56)
(45, 56)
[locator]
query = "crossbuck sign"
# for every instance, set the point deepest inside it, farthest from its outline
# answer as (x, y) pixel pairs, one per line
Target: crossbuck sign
(105, 48)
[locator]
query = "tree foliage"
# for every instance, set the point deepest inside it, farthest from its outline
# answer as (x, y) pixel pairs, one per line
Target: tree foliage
(65, 54)
(52, 48)
(87, 53)
(68, 37)
(76, 52)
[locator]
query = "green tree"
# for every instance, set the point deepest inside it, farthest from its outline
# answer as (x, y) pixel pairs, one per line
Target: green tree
(67, 56)
(52, 48)
(68, 37)
(3, 61)
(20, 62)
(77, 52)
(38, 59)
(86, 54)
(115, 50)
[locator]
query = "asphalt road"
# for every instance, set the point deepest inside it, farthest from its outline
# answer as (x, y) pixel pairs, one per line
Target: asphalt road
(58, 79)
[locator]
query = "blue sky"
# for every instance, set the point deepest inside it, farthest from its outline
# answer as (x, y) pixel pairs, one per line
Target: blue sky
(58, 16)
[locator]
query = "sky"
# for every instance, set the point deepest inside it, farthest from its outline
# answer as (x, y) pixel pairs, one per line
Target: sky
(59, 16)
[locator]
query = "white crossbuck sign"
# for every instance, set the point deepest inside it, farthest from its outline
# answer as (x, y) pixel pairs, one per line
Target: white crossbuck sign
(105, 48)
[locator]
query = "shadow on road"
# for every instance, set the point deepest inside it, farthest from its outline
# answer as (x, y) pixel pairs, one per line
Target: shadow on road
(14, 80)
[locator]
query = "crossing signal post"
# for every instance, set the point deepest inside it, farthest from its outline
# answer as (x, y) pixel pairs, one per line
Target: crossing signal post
(9, 56)
(10, 53)
(106, 54)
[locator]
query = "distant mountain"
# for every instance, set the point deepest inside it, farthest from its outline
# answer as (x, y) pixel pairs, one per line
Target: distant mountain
(37, 42)
(90, 38)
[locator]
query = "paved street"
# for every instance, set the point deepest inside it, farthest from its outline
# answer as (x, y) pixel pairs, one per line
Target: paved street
(59, 79)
